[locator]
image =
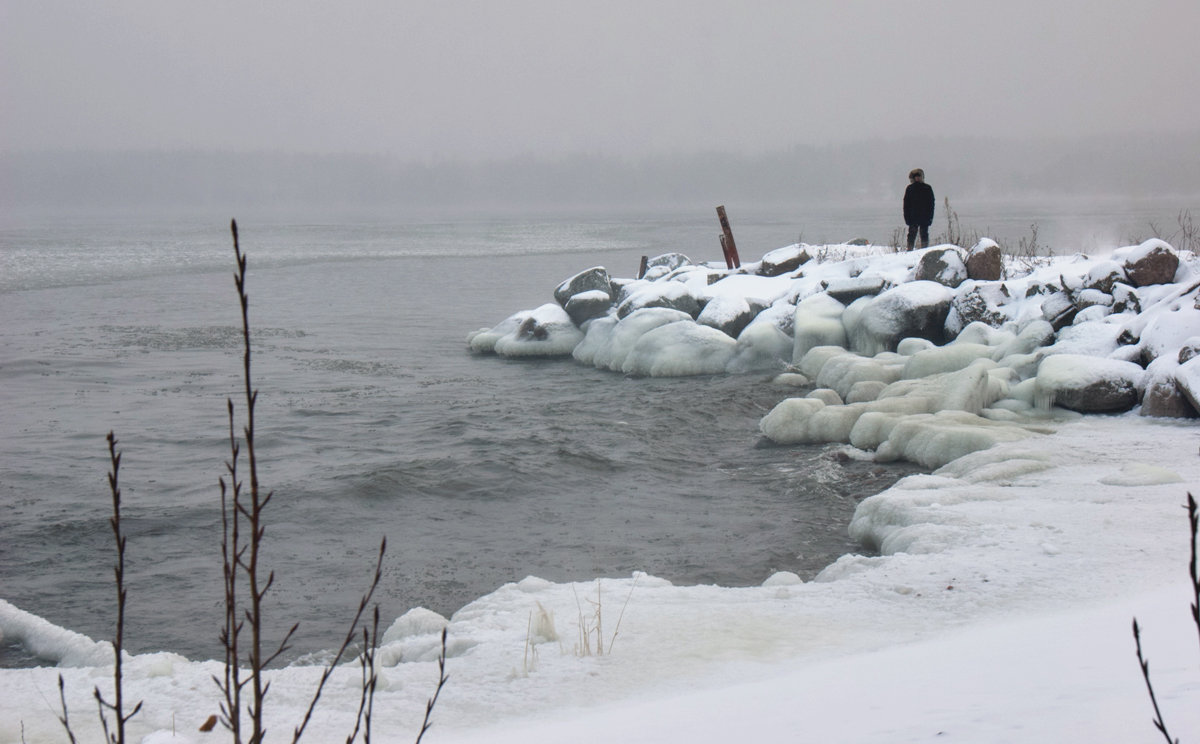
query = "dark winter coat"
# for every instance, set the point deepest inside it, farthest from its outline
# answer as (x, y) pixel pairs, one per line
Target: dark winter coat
(918, 204)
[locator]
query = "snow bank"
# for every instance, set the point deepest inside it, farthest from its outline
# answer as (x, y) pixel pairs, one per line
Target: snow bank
(1026, 560)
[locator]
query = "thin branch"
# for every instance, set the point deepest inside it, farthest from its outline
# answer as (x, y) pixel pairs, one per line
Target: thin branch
(351, 634)
(64, 719)
(442, 679)
(1145, 665)
(1194, 564)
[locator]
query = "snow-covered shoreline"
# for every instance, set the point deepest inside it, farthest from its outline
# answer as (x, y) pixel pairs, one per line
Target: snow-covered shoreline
(1025, 569)
(997, 609)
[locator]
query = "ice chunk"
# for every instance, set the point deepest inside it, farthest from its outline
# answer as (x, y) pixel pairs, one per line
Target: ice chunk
(680, 349)
(817, 322)
(616, 344)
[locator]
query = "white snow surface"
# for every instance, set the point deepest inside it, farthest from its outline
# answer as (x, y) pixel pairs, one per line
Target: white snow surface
(991, 603)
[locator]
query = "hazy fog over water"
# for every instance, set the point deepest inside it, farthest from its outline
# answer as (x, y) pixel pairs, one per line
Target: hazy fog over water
(563, 102)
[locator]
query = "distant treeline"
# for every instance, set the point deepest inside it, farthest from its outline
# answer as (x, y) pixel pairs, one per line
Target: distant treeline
(974, 168)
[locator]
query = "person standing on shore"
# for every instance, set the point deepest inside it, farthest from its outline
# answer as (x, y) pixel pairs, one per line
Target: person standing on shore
(918, 208)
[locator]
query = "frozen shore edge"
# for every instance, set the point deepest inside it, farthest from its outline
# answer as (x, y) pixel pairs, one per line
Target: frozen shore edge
(1015, 556)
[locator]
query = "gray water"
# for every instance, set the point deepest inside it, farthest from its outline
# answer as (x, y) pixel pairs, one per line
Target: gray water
(373, 420)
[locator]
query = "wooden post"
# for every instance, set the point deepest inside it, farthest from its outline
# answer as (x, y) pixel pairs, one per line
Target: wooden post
(728, 247)
(643, 267)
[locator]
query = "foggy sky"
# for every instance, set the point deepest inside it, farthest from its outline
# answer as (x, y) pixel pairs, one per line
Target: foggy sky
(460, 80)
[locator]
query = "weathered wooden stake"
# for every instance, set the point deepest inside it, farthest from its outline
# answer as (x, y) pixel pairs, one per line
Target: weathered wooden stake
(728, 247)
(645, 265)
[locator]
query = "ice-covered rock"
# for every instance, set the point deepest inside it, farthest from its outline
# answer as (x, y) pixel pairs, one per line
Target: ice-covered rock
(667, 294)
(918, 308)
(609, 340)
(546, 331)
(585, 306)
(849, 289)
(817, 321)
(729, 314)
(680, 349)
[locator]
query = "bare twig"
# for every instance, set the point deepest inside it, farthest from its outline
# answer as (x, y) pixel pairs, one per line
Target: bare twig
(442, 679)
(370, 681)
(64, 719)
(118, 706)
(1145, 665)
(1194, 566)
(351, 634)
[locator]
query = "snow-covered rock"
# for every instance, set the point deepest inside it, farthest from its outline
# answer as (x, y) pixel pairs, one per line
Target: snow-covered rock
(1088, 384)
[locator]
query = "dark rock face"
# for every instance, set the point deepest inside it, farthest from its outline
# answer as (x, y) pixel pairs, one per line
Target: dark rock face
(1102, 396)
(673, 295)
(985, 262)
(595, 278)
(1164, 398)
(532, 330)
(943, 266)
(585, 306)
(1156, 266)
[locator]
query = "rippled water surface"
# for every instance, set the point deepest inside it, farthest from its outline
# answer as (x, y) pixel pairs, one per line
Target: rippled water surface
(373, 421)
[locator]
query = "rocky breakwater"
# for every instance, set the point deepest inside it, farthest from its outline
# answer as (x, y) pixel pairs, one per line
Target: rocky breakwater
(925, 355)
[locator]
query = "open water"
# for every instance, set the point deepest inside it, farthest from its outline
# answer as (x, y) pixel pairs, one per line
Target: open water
(373, 420)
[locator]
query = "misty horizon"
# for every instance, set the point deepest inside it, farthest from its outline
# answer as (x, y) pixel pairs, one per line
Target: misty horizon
(975, 168)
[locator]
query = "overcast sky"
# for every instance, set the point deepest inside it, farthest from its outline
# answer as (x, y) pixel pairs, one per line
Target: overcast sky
(448, 78)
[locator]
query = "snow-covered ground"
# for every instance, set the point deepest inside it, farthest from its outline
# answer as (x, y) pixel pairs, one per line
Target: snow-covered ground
(998, 610)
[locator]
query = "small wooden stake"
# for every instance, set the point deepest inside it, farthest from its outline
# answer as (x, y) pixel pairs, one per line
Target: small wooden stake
(645, 265)
(728, 247)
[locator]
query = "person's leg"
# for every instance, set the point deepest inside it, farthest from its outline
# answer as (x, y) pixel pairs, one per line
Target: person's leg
(912, 236)
(924, 236)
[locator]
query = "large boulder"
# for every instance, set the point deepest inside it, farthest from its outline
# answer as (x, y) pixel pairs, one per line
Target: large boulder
(1089, 384)
(660, 266)
(915, 309)
(1164, 397)
(784, 260)
(586, 306)
(678, 350)
(985, 261)
(977, 302)
(817, 321)
(1104, 276)
(848, 289)
(668, 294)
(1152, 262)
(729, 314)
(941, 265)
(590, 280)
(546, 331)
